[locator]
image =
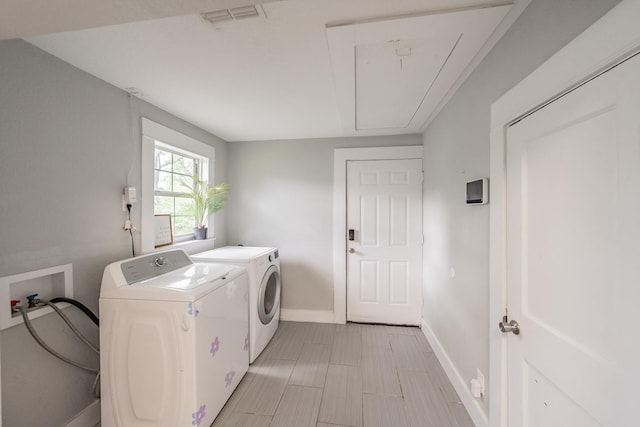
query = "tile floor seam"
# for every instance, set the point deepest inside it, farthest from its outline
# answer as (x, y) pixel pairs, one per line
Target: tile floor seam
(283, 392)
(450, 414)
(324, 385)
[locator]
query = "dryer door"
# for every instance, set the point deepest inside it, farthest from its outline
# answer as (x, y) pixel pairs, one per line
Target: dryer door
(269, 295)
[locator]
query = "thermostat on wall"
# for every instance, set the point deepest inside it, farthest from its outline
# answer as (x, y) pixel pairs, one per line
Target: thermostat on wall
(478, 192)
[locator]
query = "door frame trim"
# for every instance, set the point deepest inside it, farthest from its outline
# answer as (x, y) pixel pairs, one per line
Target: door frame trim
(340, 158)
(606, 42)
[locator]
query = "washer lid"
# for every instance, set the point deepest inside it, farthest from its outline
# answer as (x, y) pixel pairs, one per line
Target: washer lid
(188, 278)
(184, 284)
(232, 253)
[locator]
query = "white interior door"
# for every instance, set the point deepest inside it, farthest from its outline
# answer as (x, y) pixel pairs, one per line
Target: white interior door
(573, 257)
(384, 259)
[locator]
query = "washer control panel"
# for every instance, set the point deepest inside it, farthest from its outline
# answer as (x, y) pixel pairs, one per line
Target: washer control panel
(153, 265)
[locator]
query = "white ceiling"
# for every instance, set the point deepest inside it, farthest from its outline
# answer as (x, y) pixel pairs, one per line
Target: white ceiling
(306, 69)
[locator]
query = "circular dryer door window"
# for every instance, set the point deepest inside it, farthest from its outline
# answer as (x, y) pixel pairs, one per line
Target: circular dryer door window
(269, 295)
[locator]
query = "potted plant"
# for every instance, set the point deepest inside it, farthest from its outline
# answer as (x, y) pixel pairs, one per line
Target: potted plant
(206, 201)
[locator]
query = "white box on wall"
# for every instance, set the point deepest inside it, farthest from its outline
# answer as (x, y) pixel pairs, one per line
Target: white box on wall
(48, 283)
(478, 192)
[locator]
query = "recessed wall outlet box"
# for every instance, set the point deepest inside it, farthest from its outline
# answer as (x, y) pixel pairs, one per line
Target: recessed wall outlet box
(48, 283)
(478, 192)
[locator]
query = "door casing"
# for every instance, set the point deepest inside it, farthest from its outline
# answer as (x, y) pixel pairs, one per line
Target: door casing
(607, 42)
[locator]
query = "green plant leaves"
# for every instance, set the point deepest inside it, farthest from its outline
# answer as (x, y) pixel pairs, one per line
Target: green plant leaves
(207, 199)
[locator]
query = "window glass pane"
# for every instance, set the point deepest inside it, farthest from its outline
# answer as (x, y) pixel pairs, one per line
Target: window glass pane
(183, 206)
(173, 177)
(162, 160)
(183, 165)
(182, 183)
(162, 205)
(162, 181)
(183, 225)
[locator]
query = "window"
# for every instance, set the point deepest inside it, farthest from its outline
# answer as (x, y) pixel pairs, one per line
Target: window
(173, 176)
(168, 163)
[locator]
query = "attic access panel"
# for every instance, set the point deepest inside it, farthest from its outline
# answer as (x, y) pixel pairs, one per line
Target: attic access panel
(393, 73)
(393, 77)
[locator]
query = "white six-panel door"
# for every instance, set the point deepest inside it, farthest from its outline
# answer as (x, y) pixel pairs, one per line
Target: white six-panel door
(384, 210)
(573, 257)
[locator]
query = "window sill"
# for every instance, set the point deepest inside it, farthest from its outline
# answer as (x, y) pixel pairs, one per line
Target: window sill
(190, 246)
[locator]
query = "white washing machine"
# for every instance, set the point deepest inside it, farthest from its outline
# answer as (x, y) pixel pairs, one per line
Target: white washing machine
(263, 266)
(174, 340)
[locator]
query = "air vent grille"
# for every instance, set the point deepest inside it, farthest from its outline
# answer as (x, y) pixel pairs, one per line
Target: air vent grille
(244, 12)
(234, 14)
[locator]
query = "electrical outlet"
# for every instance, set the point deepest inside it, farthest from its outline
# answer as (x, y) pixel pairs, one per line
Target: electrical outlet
(477, 385)
(481, 379)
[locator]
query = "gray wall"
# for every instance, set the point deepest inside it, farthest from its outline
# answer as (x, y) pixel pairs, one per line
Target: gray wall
(65, 153)
(282, 195)
(456, 149)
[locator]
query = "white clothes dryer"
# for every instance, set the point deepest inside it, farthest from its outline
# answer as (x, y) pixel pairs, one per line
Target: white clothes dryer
(173, 338)
(263, 266)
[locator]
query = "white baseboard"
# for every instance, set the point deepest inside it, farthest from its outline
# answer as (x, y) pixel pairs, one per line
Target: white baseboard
(473, 406)
(88, 417)
(314, 316)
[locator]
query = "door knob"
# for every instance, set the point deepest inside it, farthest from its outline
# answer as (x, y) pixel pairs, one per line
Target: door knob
(351, 250)
(511, 326)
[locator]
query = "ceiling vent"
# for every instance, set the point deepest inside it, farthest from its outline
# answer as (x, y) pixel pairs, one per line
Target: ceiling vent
(234, 14)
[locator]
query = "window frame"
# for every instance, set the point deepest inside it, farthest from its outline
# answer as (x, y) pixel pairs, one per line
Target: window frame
(154, 133)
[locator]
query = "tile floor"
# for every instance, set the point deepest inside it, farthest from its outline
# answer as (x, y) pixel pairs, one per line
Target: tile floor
(323, 375)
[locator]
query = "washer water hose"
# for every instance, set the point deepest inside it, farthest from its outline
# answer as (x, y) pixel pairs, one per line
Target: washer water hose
(80, 306)
(74, 329)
